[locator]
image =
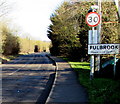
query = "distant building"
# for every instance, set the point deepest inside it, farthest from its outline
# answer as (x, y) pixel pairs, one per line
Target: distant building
(36, 49)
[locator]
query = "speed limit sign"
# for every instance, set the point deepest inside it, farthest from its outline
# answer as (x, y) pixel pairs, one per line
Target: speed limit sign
(93, 19)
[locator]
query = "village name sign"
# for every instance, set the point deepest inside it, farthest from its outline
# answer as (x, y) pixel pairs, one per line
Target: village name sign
(104, 49)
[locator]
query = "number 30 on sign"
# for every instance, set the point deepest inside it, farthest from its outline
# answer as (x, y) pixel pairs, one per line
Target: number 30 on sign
(93, 19)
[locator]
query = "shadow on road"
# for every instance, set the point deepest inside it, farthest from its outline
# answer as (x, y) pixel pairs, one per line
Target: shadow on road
(42, 99)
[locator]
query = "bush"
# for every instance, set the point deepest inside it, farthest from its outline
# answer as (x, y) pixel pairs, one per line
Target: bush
(10, 42)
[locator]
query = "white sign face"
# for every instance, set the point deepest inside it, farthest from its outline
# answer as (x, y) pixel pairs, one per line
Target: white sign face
(104, 49)
(93, 19)
(91, 39)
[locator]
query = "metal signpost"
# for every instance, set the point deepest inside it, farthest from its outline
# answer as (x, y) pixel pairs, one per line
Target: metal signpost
(92, 19)
(98, 49)
(91, 38)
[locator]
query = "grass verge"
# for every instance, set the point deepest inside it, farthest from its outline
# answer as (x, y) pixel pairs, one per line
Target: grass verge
(6, 58)
(100, 90)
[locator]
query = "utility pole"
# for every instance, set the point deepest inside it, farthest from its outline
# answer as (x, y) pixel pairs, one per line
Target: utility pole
(118, 13)
(118, 8)
(97, 68)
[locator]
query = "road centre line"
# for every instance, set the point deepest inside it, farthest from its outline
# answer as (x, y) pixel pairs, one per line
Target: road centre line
(26, 64)
(17, 69)
(20, 68)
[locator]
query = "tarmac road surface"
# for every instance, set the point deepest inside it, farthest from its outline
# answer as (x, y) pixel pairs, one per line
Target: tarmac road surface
(24, 79)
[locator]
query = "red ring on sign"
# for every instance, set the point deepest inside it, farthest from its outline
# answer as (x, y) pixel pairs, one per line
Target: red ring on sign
(87, 17)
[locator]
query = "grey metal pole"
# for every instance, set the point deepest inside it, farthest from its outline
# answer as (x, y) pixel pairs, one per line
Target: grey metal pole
(118, 8)
(99, 35)
(114, 70)
(92, 67)
(99, 29)
(92, 58)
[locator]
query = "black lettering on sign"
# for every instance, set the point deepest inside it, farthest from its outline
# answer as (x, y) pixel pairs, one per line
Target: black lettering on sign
(108, 47)
(97, 47)
(90, 19)
(112, 47)
(104, 47)
(95, 19)
(94, 47)
(116, 47)
(90, 47)
(101, 47)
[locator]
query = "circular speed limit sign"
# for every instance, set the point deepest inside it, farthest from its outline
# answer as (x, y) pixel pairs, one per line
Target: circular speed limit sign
(93, 19)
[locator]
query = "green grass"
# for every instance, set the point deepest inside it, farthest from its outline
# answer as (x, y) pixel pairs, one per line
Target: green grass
(100, 90)
(81, 65)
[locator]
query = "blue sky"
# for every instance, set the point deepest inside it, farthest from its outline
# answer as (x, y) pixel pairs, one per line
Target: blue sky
(32, 16)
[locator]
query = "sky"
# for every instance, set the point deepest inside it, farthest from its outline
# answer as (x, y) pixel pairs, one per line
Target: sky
(33, 16)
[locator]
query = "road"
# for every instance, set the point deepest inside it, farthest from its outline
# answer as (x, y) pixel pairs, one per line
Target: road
(25, 78)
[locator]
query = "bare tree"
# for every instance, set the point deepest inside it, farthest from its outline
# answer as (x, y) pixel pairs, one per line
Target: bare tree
(4, 7)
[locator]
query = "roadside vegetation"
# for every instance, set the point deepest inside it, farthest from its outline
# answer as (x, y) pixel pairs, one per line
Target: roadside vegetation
(100, 90)
(11, 45)
(69, 32)
(10, 41)
(69, 36)
(27, 45)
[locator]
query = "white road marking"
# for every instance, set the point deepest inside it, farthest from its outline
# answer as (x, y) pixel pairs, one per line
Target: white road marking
(20, 68)
(17, 70)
